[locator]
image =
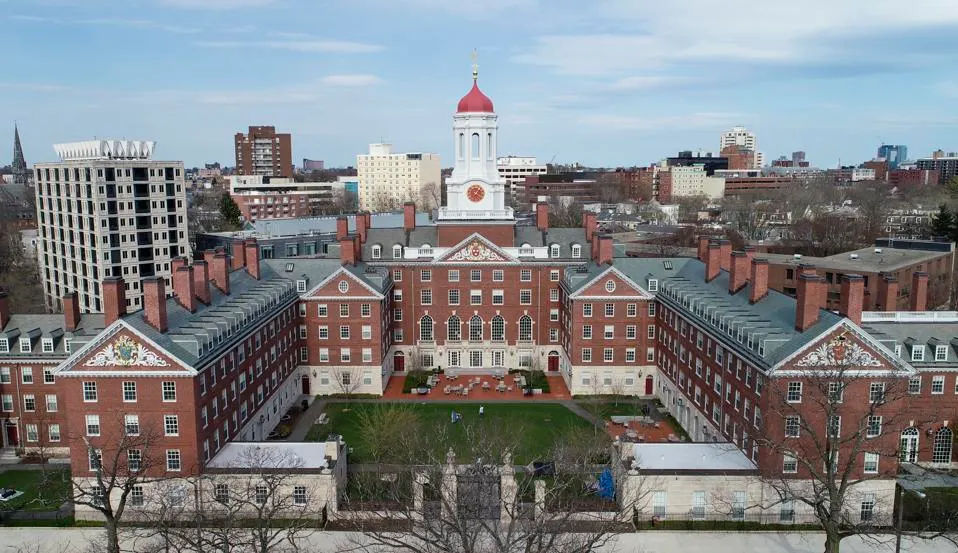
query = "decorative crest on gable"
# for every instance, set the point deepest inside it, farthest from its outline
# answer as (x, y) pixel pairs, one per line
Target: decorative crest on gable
(476, 251)
(124, 352)
(840, 351)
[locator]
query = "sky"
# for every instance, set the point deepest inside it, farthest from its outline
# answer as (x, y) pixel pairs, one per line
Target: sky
(600, 82)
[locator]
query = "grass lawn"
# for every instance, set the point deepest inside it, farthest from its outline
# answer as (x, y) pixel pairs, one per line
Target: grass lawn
(538, 423)
(56, 489)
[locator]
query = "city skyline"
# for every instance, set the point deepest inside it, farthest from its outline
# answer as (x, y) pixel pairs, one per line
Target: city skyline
(611, 84)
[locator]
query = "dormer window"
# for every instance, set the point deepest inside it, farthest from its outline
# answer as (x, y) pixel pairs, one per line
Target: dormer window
(554, 250)
(918, 353)
(66, 345)
(898, 350)
(4, 345)
(425, 250)
(397, 251)
(377, 252)
(653, 285)
(525, 249)
(48, 345)
(25, 346)
(576, 251)
(301, 285)
(941, 353)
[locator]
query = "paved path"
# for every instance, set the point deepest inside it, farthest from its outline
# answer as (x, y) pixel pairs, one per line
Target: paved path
(305, 421)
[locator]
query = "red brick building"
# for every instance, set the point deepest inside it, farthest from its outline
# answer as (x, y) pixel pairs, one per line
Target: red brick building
(263, 151)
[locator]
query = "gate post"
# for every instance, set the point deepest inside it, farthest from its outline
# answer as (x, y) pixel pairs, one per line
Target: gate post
(449, 487)
(507, 485)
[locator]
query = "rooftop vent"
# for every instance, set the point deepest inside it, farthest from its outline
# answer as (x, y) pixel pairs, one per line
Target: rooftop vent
(877, 250)
(289, 267)
(797, 256)
(853, 256)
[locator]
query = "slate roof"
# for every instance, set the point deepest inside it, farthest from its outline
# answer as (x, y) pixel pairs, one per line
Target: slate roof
(389, 237)
(319, 225)
(638, 269)
(908, 329)
(564, 237)
(48, 326)
(890, 259)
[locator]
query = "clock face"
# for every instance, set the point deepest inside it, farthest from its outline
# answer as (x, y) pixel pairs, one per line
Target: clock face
(475, 193)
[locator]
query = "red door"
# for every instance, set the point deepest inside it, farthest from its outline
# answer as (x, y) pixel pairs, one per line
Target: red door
(399, 362)
(305, 384)
(553, 361)
(12, 437)
(648, 385)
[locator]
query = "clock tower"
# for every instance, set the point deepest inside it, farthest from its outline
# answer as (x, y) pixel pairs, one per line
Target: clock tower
(475, 191)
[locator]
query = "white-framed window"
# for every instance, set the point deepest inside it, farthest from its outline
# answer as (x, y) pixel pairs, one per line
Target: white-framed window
(169, 391)
(586, 309)
(4, 375)
(554, 250)
(918, 352)
(610, 310)
(344, 332)
(367, 332)
(833, 426)
(95, 457)
(792, 426)
(631, 332)
(631, 310)
(554, 275)
(173, 460)
(941, 353)
(650, 332)
(48, 377)
(299, 495)
(498, 297)
(586, 355)
(554, 295)
(914, 384)
(131, 424)
(609, 332)
(93, 425)
(425, 275)
(525, 275)
(475, 297)
(397, 254)
(874, 426)
(789, 464)
(876, 392)
(54, 430)
(475, 275)
(498, 275)
(134, 459)
(26, 375)
(377, 251)
(651, 309)
(630, 355)
(25, 345)
(453, 296)
(367, 355)
(171, 425)
(33, 433)
(525, 297)
(576, 251)
(52, 404)
(653, 285)
(871, 463)
(650, 355)
(129, 391)
(586, 332)
(345, 356)
(868, 507)
(607, 355)
(29, 403)
(453, 275)
(938, 384)
(343, 286)
(610, 286)
(300, 286)
(344, 310)
(794, 393)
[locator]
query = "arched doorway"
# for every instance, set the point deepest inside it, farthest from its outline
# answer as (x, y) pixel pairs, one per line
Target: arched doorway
(399, 361)
(909, 445)
(553, 360)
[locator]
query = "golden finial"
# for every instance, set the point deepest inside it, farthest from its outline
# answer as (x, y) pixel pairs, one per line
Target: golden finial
(475, 65)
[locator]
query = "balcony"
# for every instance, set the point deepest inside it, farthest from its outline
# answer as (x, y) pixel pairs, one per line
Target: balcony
(464, 215)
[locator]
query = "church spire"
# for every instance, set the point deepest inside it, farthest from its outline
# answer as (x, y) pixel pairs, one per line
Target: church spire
(475, 65)
(19, 165)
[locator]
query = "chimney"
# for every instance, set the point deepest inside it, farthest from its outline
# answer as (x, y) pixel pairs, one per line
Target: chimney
(589, 223)
(725, 255)
(542, 216)
(807, 269)
(919, 291)
(239, 254)
(347, 251)
(887, 299)
(853, 298)
(811, 298)
(176, 263)
(154, 302)
(183, 288)
(604, 249)
(221, 274)
(201, 278)
(759, 280)
(4, 309)
(208, 256)
(409, 216)
(114, 299)
(703, 248)
(362, 225)
(252, 258)
(749, 255)
(712, 262)
(357, 248)
(342, 227)
(738, 274)
(71, 311)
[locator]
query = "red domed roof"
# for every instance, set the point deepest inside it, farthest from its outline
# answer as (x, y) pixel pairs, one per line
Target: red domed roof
(475, 101)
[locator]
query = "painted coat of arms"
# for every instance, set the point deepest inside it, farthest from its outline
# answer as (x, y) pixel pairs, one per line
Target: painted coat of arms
(839, 352)
(124, 352)
(476, 252)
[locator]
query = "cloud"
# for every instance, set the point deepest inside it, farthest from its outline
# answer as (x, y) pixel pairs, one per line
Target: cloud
(700, 120)
(319, 46)
(348, 81)
(111, 22)
(35, 87)
(476, 9)
(644, 83)
(216, 4)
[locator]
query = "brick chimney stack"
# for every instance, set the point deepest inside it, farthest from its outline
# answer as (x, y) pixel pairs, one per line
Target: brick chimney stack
(604, 251)
(239, 254)
(252, 258)
(919, 291)
(725, 257)
(342, 227)
(221, 274)
(703, 253)
(738, 274)
(71, 311)
(183, 288)
(713, 262)
(590, 224)
(201, 278)
(347, 251)
(887, 299)
(542, 216)
(208, 256)
(154, 303)
(114, 299)
(811, 298)
(409, 216)
(363, 220)
(853, 298)
(759, 280)
(175, 265)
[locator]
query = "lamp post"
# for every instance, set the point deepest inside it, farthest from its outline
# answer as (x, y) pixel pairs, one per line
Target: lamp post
(901, 512)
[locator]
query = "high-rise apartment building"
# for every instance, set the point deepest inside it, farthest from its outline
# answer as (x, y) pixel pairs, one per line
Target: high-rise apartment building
(894, 154)
(264, 152)
(107, 209)
(387, 179)
(740, 136)
(514, 170)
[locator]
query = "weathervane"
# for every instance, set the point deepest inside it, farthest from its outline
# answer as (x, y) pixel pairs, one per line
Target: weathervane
(475, 65)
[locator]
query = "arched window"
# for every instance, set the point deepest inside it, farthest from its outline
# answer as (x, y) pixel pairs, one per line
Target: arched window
(377, 251)
(525, 328)
(554, 250)
(941, 452)
(425, 329)
(498, 328)
(475, 329)
(475, 146)
(908, 453)
(576, 251)
(454, 329)
(461, 150)
(397, 251)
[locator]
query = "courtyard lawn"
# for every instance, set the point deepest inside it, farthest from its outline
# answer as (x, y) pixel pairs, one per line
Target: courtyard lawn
(539, 424)
(54, 492)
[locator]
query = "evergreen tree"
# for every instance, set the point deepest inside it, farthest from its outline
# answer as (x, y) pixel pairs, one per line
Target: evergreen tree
(943, 223)
(229, 210)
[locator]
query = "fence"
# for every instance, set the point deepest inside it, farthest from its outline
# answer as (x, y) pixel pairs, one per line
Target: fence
(691, 520)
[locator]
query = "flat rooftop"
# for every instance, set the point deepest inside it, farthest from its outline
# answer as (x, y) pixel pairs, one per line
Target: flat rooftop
(271, 455)
(690, 457)
(886, 259)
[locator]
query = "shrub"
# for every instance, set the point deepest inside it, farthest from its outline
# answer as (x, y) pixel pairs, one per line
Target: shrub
(416, 378)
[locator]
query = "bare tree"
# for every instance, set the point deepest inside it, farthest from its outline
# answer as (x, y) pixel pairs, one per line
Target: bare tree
(826, 453)
(347, 382)
(430, 196)
(564, 214)
(750, 219)
(124, 460)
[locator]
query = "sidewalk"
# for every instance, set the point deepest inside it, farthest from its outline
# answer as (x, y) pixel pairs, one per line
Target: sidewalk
(306, 420)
